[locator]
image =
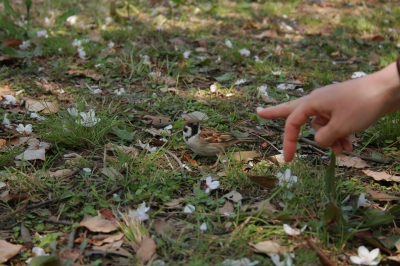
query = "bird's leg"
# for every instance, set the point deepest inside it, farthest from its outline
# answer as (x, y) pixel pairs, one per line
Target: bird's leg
(216, 163)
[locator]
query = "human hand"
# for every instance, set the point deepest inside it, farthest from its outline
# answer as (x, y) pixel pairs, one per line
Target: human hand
(339, 110)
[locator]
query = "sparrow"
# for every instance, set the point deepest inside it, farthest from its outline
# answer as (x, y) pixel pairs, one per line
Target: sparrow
(206, 141)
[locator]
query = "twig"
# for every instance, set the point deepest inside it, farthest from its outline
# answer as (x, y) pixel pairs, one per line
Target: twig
(20, 209)
(114, 191)
(58, 222)
(181, 165)
(322, 257)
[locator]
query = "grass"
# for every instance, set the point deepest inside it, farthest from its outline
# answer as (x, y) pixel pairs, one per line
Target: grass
(332, 42)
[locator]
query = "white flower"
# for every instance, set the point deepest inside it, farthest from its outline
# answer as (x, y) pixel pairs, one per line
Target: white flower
(111, 44)
(293, 231)
(140, 213)
(286, 179)
(46, 21)
(210, 184)
(240, 81)
(146, 59)
(186, 54)
(276, 73)
(96, 91)
(257, 59)
(24, 130)
(203, 227)
(218, 59)
(263, 90)
(72, 19)
(244, 52)
(213, 88)
(9, 99)
(159, 28)
(37, 117)
(87, 170)
(228, 43)
(119, 91)
(287, 261)
(285, 86)
(109, 20)
(73, 111)
(88, 119)
(189, 208)
(155, 74)
(358, 74)
(76, 43)
(25, 45)
(146, 146)
(39, 252)
(115, 195)
(81, 53)
(241, 262)
(361, 200)
(60, 49)
(366, 257)
(60, 91)
(6, 122)
(300, 89)
(42, 33)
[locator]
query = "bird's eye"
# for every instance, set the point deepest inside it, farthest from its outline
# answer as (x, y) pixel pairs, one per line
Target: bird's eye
(185, 129)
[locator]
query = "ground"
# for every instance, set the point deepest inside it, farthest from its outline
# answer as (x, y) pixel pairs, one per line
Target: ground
(103, 176)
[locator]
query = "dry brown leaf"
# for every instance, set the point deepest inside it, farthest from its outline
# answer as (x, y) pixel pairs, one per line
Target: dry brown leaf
(195, 115)
(110, 239)
(381, 196)
(5, 58)
(269, 247)
(37, 106)
(146, 250)
(114, 248)
(267, 205)
(278, 160)
(164, 90)
(177, 41)
(14, 198)
(267, 34)
(90, 73)
(125, 149)
(227, 208)
(155, 119)
(394, 258)
(245, 155)
(98, 224)
(7, 250)
(349, 161)
(378, 176)
(175, 202)
(11, 42)
(111, 173)
(61, 173)
(168, 80)
(6, 90)
(163, 227)
(30, 155)
(233, 196)
(264, 181)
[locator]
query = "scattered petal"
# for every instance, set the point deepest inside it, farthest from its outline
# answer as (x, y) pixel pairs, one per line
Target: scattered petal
(189, 208)
(286, 179)
(119, 91)
(293, 231)
(358, 74)
(140, 213)
(244, 52)
(240, 81)
(228, 43)
(210, 184)
(203, 227)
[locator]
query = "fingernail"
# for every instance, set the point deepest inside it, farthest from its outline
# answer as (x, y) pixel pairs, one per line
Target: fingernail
(259, 109)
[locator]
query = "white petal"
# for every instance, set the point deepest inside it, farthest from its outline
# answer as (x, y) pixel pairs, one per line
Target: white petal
(214, 184)
(304, 228)
(208, 180)
(363, 252)
(373, 254)
(38, 251)
(189, 208)
(203, 227)
(361, 200)
(143, 208)
(276, 260)
(287, 174)
(356, 260)
(290, 231)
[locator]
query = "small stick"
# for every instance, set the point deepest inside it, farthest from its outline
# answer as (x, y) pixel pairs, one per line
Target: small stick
(322, 257)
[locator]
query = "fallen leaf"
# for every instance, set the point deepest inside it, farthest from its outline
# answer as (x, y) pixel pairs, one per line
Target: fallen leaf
(163, 228)
(7, 250)
(378, 176)
(2, 185)
(168, 80)
(264, 181)
(349, 161)
(378, 38)
(227, 208)
(195, 115)
(110, 239)
(114, 248)
(266, 203)
(202, 42)
(175, 202)
(37, 106)
(164, 90)
(111, 173)
(233, 196)
(277, 160)
(98, 224)
(177, 41)
(394, 258)
(11, 42)
(29, 155)
(61, 173)
(155, 119)
(267, 34)
(245, 155)
(381, 196)
(6, 90)
(14, 198)
(146, 250)
(90, 73)
(269, 247)
(66, 254)
(125, 149)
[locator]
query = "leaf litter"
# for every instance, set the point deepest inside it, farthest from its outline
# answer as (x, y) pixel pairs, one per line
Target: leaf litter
(178, 207)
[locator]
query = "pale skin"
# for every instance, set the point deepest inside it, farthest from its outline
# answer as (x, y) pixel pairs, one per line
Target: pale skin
(339, 110)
